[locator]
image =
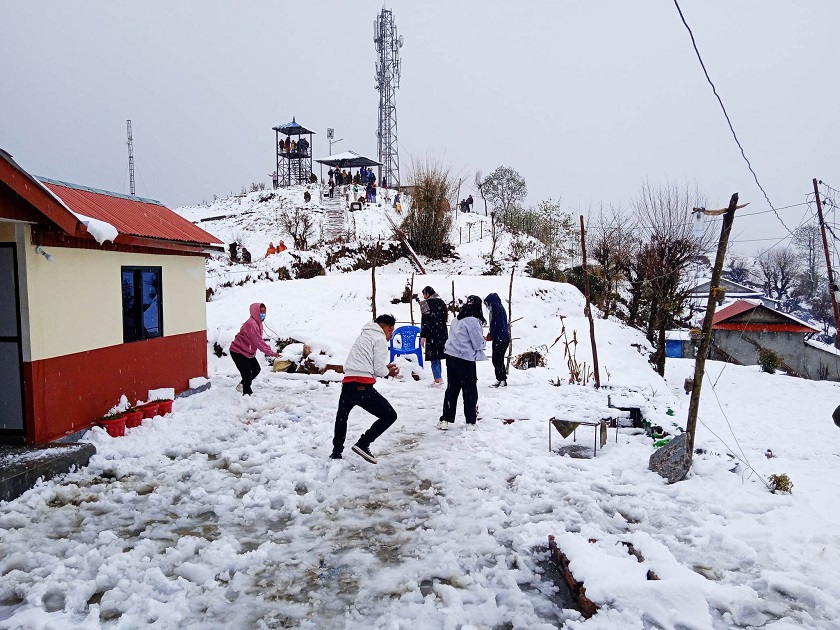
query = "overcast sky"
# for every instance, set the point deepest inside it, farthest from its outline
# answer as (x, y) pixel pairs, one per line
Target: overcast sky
(584, 99)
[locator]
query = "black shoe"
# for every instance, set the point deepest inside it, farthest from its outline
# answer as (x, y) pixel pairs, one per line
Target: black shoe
(364, 452)
(335, 456)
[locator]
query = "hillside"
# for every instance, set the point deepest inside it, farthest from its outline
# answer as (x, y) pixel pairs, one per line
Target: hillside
(229, 513)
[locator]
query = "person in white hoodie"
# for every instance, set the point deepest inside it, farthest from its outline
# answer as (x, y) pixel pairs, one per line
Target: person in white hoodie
(464, 347)
(368, 359)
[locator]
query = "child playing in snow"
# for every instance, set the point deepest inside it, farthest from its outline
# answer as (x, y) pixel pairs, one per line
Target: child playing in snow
(244, 348)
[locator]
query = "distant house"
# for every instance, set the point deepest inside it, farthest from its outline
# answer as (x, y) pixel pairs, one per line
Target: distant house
(742, 329)
(679, 345)
(699, 294)
(102, 295)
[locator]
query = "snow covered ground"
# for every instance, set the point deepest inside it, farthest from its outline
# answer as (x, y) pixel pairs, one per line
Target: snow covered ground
(229, 514)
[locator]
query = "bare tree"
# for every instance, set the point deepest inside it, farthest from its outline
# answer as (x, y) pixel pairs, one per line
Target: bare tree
(669, 245)
(777, 270)
(505, 188)
(479, 184)
(299, 225)
(807, 239)
(739, 270)
(612, 243)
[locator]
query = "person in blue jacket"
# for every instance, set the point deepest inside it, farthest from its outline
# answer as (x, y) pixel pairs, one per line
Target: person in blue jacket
(463, 348)
(499, 334)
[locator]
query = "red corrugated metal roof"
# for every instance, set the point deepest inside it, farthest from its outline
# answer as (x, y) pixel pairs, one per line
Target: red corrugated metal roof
(131, 216)
(732, 310)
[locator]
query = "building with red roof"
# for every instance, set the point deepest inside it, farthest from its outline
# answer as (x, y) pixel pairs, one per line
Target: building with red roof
(103, 295)
(744, 328)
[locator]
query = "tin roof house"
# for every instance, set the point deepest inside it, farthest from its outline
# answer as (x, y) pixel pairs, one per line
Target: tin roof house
(103, 295)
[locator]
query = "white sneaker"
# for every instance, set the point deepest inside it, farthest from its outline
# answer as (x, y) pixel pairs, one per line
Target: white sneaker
(471, 427)
(443, 425)
(239, 388)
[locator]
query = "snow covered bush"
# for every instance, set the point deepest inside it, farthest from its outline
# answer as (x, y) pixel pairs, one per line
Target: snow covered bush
(769, 360)
(780, 483)
(428, 224)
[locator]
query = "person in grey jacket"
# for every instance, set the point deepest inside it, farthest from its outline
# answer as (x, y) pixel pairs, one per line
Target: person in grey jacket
(368, 359)
(464, 347)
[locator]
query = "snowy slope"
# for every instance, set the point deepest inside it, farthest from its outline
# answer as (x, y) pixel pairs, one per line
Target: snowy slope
(228, 513)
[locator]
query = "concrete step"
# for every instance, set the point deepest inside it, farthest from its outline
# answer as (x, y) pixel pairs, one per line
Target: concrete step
(22, 466)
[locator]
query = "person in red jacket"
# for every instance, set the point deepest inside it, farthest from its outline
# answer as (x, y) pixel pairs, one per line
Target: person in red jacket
(243, 349)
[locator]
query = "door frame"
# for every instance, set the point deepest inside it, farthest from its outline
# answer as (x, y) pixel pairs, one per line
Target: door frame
(16, 436)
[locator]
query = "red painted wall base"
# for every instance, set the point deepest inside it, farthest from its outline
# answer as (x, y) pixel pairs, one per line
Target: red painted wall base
(67, 394)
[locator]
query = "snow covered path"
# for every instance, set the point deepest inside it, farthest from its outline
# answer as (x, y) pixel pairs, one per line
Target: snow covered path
(229, 514)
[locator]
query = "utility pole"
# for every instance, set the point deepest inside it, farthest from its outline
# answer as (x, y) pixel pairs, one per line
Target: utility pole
(706, 340)
(130, 155)
(832, 287)
(589, 307)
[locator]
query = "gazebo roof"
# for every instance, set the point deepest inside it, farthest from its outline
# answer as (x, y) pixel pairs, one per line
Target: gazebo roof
(348, 159)
(292, 129)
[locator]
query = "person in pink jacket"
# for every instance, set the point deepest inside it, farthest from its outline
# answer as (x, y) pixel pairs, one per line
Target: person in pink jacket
(243, 349)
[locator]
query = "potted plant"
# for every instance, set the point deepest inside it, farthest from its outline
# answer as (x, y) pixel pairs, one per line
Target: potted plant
(164, 405)
(113, 423)
(133, 417)
(150, 409)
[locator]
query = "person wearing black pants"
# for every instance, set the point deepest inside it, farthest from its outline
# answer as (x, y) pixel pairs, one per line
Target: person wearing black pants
(248, 370)
(366, 397)
(499, 334)
(463, 348)
(368, 359)
(460, 377)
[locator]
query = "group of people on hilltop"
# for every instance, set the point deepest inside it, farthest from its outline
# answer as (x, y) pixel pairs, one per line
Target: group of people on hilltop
(460, 344)
(291, 146)
(466, 205)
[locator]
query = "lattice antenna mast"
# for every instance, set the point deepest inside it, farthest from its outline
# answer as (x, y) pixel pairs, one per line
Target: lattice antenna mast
(388, 45)
(130, 155)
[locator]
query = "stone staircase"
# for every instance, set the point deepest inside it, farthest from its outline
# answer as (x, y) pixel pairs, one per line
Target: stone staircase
(334, 223)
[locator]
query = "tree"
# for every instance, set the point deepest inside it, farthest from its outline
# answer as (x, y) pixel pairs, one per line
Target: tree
(739, 270)
(505, 188)
(777, 270)
(807, 239)
(611, 243)
(299, 225)
(668, 247)
(558, 232)
(479, 184)
(428, 223)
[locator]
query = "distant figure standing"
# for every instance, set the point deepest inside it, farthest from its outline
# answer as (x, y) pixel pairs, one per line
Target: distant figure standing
(499, 334)
(234, 256)
(368, 359)
(464, 347)
(433, 333)
(281, 247)
(246, 256)
(271, 250)
(470, 203)
(244, 348)
(288, 145)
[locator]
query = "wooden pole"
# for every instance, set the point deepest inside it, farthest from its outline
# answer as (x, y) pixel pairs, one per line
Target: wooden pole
(706, 339)
(411, 298)
(373, 279)
(832, 286)
(453, 298)
(589, 307)
(510, 319)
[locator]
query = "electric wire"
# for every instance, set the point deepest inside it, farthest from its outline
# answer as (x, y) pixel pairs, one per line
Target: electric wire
(729, 122)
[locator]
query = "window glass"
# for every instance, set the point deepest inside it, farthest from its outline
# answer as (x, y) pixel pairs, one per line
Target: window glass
(142, 303)
(129, 310)
(151, 304)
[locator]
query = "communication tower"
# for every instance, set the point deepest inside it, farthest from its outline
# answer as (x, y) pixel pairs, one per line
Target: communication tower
(388, 63)
(130, 155)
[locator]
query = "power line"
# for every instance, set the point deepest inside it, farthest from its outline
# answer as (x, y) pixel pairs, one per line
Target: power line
(731, 128)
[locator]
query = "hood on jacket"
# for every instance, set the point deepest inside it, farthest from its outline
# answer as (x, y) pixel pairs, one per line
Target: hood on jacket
(255, 311)
(492, 299)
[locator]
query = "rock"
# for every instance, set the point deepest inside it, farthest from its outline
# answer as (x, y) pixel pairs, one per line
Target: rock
(673, 460)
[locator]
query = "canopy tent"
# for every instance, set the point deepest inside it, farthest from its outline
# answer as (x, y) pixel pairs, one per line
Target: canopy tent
(292, 129)
(348, 159)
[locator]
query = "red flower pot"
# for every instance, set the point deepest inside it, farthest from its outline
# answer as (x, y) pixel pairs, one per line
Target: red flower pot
(133, 418)
(114, 426)
(150, 410)
(164, 407)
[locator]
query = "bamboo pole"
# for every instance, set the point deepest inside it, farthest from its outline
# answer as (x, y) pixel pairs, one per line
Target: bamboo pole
(411, 298)
(589, 307)
(510, 319)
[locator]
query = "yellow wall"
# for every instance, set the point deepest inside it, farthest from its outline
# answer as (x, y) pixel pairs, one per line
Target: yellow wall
(75, 302)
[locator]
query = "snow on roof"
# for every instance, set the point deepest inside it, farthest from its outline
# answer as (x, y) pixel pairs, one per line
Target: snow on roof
(823, 346)
(348, 159)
